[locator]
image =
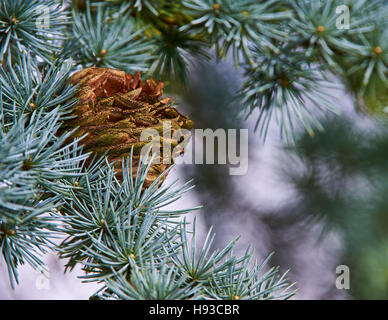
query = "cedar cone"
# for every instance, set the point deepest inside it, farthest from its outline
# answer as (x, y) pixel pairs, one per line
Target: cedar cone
(114, 108)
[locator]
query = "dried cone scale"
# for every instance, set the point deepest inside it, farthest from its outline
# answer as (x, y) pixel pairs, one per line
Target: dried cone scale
(114, 108)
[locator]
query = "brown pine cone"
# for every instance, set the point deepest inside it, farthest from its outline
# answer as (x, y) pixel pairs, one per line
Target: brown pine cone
(114, 108)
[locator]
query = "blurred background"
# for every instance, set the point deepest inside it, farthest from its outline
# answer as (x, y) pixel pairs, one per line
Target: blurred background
(318, 205)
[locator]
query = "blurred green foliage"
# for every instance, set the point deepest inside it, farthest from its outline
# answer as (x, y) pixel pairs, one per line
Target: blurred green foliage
(341, 178)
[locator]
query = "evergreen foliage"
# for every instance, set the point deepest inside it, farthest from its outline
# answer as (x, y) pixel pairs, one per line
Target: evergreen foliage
(120, 232)
(38, 26)
(97, 40)
(313, 29)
